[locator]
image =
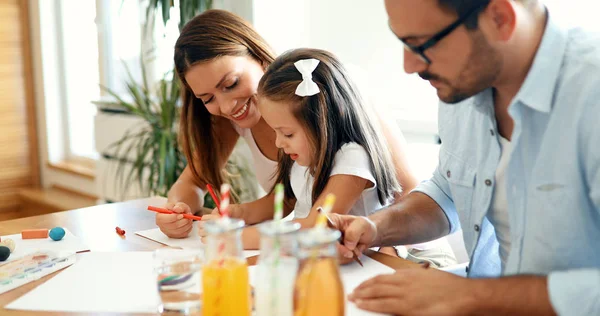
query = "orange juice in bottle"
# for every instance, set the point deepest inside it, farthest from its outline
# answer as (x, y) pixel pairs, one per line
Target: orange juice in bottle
(225, 284)
(318, 288)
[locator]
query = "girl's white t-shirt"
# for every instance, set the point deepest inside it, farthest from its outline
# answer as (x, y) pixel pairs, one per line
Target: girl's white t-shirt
(352, 159)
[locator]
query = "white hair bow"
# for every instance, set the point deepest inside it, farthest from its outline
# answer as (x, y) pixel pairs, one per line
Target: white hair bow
(307, 87)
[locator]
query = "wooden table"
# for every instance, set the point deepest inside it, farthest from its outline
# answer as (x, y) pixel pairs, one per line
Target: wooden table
(95, 226)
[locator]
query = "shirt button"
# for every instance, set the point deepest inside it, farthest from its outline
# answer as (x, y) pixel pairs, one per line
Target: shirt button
(448, 173)
(476, 227)
(488, 182)
(492, 132)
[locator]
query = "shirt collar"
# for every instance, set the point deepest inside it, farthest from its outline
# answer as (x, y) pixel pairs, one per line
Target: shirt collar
(537, 90)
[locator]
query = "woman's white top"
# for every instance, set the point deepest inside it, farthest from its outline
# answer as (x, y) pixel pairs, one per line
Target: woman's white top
(264, 168)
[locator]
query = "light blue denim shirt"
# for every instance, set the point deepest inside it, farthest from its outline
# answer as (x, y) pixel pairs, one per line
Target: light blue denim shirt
(552, 180)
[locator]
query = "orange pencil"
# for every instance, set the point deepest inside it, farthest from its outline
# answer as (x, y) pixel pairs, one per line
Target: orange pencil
(165, 211)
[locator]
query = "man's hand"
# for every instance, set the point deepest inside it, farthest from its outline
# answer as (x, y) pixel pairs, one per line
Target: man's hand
(359, 234)
(416, 291)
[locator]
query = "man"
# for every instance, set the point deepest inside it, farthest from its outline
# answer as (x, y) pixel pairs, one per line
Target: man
(519, 165)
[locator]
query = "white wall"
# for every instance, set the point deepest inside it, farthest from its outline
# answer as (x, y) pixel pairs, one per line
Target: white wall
(357, 32)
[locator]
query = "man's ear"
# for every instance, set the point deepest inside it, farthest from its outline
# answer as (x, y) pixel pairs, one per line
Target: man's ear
(499, 19)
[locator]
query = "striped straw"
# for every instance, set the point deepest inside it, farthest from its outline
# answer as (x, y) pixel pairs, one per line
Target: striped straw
(327, 206)
(278, 202)
(225, 188)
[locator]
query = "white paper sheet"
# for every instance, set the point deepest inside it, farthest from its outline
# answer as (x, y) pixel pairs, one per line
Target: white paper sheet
(193, 241)
(352, 276)
(26, 246)
(111, 282)
(124, 282)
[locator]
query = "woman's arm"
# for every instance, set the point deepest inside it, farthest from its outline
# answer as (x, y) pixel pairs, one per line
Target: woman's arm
(185, 196)
(185, 189)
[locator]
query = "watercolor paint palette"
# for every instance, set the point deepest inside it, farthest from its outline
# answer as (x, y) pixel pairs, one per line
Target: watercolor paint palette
(32, 267)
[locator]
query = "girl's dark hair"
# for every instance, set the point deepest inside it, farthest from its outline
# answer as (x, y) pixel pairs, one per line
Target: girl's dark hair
(333, 117)
(210, 35)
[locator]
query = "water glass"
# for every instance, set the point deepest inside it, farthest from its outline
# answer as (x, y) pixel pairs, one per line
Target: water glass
(178, 277)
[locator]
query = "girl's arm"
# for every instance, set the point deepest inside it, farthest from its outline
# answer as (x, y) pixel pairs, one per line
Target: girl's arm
(347, 190)
(260, 210)
(252, 213)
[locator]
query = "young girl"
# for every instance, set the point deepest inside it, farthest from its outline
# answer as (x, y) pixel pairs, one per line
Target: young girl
(328, 139)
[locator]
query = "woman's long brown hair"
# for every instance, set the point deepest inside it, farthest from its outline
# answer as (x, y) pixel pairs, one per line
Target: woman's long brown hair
(333, 117)
(210, 35)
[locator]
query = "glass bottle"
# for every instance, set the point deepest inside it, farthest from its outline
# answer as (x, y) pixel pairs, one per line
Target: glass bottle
(318, 288)
(226, 288)
(276, 268)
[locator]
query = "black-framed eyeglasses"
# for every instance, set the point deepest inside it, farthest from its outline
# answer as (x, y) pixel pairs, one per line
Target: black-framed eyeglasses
(420, 49)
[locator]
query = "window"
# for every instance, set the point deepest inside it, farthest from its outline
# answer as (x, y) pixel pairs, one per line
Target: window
(79, 49)
(76, 46)
(96, 46)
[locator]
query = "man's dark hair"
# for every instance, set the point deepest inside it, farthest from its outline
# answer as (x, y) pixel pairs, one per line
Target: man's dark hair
(461, 7)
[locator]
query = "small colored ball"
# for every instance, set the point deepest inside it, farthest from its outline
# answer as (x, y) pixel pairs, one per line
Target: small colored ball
(4, 253)
(8, 243)
(57, 233)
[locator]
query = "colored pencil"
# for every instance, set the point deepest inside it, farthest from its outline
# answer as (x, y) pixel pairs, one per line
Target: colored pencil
(214, 196)
(165, 211)
(324, 212)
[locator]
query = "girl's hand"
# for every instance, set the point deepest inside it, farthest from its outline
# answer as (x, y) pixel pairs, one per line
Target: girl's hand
(235, 211)
(208, 217)
(175, 225)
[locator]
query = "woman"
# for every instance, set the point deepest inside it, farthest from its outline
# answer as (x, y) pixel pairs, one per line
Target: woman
(220, 60)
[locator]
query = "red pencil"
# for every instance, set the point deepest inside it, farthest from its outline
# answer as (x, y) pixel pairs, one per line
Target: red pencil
(165, 211)
(214, 196)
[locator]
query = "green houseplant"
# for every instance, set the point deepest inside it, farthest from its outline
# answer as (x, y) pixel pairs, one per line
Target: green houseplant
(157, 158)
(188, 9)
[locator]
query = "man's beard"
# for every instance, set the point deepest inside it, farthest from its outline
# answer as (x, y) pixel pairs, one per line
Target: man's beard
(483, 67)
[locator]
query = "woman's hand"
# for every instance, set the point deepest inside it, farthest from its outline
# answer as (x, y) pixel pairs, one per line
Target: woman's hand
(175, 225)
